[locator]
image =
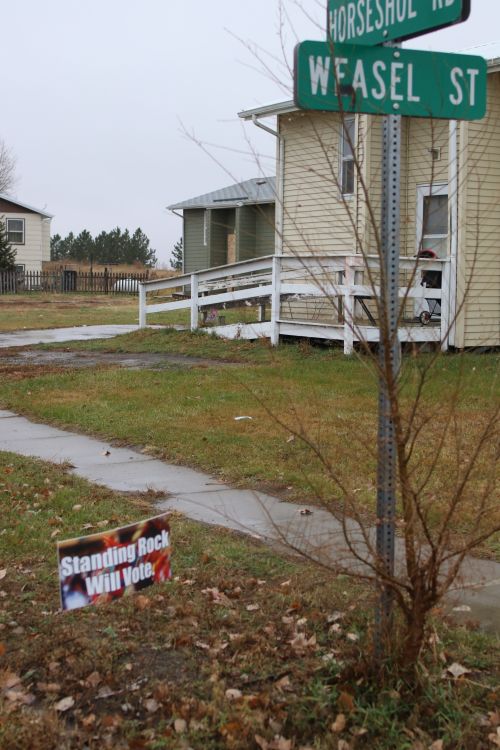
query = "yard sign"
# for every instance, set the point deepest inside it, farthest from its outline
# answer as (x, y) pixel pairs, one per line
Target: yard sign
(102, 567)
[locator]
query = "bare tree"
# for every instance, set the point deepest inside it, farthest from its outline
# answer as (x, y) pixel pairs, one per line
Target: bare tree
(444, 464)
(7, 168)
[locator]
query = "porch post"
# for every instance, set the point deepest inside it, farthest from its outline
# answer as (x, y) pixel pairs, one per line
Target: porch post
(194, 301)
(276, 301)
(450, 288)
(142, 306)
(348, 308)
(446, 313)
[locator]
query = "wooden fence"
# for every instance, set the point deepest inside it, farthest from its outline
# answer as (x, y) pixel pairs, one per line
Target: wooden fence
(66, 281)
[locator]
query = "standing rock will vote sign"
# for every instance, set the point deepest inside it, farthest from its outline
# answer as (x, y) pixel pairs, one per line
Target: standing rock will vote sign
(106, 566)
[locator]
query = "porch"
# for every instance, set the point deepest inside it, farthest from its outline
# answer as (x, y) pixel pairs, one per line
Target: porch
(329, 297)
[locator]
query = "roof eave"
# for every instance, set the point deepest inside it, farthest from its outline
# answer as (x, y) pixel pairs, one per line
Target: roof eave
(226, 204)
(11, 199)
(271, 110)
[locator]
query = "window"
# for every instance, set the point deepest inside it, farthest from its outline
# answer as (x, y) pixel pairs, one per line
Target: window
(432, 220)
(347, 141)
(205, 227)
(15, 231)
(19, 268)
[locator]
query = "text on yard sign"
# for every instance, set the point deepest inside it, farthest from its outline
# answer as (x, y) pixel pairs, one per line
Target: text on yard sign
(104, 566)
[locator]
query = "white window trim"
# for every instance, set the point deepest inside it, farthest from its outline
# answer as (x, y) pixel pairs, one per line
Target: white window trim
(12, 218)
(424, 191)
(205, 227)
(343, 158)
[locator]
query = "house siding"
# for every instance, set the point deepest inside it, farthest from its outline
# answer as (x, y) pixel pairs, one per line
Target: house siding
(245, 233)
(480, 257)
(36, 246)
(196, 256)
(222, 223)
(316, 217)
(265, 238)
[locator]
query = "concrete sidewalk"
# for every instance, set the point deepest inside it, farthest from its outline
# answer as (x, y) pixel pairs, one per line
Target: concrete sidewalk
(60, 335)
(205, 499)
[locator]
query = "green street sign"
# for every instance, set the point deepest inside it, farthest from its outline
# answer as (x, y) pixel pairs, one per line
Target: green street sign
(387, 80)
(371, 22)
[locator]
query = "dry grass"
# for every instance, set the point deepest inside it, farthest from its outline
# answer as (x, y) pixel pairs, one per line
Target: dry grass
(188, 416)
(152, 672)
(38, 310)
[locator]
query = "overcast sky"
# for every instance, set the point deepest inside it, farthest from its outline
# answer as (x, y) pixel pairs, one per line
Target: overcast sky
(97, 95)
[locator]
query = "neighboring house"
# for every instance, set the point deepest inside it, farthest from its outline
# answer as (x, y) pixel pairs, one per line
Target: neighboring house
(28, 231)
(450, 201)
(229, 225)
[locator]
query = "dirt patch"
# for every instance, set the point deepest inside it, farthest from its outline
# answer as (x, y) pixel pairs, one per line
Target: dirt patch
(29, 362)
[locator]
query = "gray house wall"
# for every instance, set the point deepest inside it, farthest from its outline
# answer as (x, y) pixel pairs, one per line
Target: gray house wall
(197, 255)
(252, 225)
(265, 229)
(222, 224)
(245, 236)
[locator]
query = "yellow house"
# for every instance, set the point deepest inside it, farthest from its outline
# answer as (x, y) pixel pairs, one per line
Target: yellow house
(328, 206)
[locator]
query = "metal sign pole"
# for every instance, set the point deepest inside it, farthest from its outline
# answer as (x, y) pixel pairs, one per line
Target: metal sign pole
(389, 364)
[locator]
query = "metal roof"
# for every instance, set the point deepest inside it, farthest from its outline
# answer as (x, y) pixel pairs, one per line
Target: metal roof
(250, 192)
(5, 197)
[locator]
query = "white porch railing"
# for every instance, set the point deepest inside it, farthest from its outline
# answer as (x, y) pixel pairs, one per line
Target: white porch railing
(339, 280)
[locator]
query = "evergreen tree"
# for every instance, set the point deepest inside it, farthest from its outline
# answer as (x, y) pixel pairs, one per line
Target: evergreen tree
(141, 250)
(56, 247)
(7, 252)
(112, 247)
(83, 247)
(177, 256)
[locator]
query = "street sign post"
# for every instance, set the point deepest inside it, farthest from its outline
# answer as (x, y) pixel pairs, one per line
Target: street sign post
(351, 72)
(374, 22)
(386, 80)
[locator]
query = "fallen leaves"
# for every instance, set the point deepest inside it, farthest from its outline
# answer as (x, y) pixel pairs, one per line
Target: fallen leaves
(339, 724)
(457, 670)
(151, 705)
(346, 702)
(218, 597)
(93, 679)
(65, 704)
(233, 694)
(180, 726)
(494, 737)
(9, 680)
(301, 643)
(278, 743)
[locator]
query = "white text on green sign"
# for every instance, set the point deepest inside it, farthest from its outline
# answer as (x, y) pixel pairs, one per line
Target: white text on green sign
(385, 80)
(376, 21)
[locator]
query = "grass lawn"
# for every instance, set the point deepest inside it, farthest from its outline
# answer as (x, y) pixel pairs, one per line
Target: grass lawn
(39, 310)
(187, 416)
(242, 650)
(42, 310)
